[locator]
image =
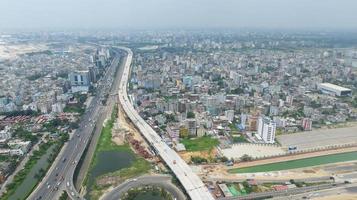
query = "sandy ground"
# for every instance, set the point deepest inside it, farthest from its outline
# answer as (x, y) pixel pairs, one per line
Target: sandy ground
(128, 127)
(186, 156)
(121, 128)
(339, 197)
(253, 150)
(219, 171)
(12, 51)
(319, 138)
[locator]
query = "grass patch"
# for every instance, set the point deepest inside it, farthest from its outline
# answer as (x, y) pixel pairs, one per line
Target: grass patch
(200, 144)
(74, 109)
(239, 139)
(139, 166)
(300, 163)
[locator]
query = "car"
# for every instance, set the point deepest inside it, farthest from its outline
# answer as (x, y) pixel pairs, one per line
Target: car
(48, 186)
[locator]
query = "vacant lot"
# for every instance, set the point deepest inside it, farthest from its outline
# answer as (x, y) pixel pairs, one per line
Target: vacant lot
(200, 144)
(253, 150)
(319, 138)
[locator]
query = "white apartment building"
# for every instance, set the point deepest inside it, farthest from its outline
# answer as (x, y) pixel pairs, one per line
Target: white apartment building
(266, 129)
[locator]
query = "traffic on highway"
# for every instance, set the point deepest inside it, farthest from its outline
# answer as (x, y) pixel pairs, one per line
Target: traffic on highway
(60, 176)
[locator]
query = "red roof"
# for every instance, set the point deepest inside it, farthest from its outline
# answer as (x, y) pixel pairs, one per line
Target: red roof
(280, 187)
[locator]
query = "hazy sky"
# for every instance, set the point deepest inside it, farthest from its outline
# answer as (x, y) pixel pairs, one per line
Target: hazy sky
(178, 13)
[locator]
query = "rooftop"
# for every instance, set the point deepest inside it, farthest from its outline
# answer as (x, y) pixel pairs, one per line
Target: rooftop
(335, 87)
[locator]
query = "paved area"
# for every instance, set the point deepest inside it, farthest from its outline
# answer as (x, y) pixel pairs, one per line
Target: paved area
(253, 150)
(337, 193)
(163, 181)
(319, 138)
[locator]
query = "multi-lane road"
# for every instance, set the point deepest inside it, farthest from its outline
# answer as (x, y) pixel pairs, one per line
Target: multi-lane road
(59, 178)
(162, 181)
(193, 185)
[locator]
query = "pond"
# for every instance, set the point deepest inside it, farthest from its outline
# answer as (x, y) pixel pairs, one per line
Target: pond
(30, 182)
(106, 162)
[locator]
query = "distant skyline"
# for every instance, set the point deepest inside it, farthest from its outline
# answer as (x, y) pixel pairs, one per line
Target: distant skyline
(128, 14)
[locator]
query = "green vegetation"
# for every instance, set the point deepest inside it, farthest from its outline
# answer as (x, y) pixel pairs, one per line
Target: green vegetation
(34, 77)
(54, 124)
(55, 147)
(239, 139)
(135, 193)
(248, 188)
(198, 160)
(139, 166)
(315, 104)
(64, 196)
(190, 115)
(237, 91)
(46, 52)
(300, 163)
(200, 144)
(24, 134)
(233, 127)
(74, 109)
(294, 114)
(105, 142)
(78, 107)
(246, 158)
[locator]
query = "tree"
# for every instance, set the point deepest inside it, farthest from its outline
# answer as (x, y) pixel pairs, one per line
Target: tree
(224, 159)
(245, 158)
(190, 115)
(198, 160)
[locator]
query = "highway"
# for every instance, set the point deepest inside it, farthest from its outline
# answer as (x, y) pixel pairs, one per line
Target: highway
(193, 185)
(163, 181)
(59, 177)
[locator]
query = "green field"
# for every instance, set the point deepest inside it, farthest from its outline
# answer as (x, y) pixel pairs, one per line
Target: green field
(293, 164)
(200, 144)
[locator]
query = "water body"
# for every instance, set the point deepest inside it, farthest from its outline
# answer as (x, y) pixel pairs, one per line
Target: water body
(148, 196)
(108, 161)
(30, 182)
(300, 163)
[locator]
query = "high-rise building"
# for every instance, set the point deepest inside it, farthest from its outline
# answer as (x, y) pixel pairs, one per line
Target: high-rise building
(79, 78)
(229, 114)
(80, 81)
(266, 129)
(191, 125)
(306, 124)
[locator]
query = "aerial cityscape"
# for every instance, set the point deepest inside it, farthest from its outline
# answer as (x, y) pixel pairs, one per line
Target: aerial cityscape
(171, 100)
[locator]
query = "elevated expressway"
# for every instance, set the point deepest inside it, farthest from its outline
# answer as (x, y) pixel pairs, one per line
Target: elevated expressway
(193, 185)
